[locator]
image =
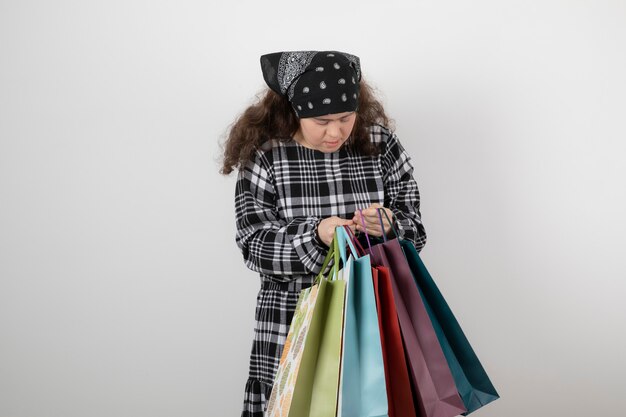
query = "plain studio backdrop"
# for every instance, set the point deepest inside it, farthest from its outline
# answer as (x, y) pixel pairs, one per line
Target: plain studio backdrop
(122, 291)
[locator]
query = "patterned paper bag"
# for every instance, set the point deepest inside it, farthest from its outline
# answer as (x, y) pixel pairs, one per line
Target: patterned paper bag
(285, 381)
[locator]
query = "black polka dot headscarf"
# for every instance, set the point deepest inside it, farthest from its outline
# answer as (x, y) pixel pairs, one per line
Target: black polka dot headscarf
(315, 82)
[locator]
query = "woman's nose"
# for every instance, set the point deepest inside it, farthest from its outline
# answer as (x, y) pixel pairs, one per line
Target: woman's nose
(333, 130)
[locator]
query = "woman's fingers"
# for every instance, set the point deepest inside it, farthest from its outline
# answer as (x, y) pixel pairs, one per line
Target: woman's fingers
(371, 228)
(372, 220)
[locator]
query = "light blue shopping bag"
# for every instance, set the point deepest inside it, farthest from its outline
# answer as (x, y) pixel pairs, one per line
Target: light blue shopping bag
(363, 391)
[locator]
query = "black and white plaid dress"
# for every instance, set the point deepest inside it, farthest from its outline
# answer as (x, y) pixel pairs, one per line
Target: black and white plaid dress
(281, 196)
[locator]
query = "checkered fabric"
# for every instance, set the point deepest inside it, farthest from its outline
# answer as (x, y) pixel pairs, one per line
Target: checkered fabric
(281, 196)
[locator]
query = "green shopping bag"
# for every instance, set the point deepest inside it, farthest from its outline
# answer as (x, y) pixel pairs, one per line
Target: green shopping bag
(311, 390)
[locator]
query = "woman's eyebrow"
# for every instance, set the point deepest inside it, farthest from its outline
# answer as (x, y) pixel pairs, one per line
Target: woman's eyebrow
(330, 120)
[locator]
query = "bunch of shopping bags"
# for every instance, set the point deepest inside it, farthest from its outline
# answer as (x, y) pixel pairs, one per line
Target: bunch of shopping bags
(376, 338)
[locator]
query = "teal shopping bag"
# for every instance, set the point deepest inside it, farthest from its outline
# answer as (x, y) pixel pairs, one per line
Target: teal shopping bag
(472, 382)
(363, 388)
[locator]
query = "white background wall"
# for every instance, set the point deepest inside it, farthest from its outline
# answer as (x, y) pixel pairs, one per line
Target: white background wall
(122, 292)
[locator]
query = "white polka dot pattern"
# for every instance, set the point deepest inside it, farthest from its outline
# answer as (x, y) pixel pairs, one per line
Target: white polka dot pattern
(316, 83)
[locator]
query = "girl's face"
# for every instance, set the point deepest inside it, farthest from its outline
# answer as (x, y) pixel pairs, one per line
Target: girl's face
(325, 133)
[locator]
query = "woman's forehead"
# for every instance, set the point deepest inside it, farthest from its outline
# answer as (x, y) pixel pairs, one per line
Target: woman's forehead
(333, 116)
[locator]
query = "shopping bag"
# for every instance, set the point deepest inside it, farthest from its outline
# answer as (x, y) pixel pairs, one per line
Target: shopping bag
(363, 388)
(436, 393)
(472, 382)
(306, 383)
(317, 385)
(279, 402)
(400, 400)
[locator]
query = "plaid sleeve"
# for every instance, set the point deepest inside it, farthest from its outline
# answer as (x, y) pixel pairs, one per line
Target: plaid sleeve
(401, 192)
(269, 244)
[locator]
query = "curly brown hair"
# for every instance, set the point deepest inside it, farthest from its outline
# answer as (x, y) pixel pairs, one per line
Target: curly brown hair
(272, 117)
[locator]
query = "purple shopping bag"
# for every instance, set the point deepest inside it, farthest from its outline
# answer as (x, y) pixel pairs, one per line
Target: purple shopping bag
(435, 390)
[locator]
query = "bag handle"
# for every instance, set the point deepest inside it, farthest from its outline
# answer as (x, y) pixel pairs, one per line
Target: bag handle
(335, 242)
(345, 238)
(369, 245)
(352, 238)
(329, 256)
(342, 245)
(382, 226)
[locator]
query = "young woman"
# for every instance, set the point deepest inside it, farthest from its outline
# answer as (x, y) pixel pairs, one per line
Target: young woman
(311, 153)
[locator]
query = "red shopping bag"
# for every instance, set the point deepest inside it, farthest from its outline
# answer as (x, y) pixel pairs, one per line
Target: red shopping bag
(398, 383)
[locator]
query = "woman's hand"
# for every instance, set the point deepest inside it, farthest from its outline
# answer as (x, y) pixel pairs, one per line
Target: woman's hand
(326, 228)
(372, 222)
